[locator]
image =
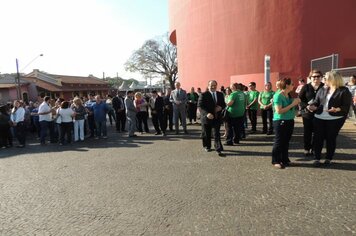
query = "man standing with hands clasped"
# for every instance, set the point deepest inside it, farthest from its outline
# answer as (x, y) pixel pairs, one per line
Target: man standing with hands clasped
(211, 103)
(179, 100)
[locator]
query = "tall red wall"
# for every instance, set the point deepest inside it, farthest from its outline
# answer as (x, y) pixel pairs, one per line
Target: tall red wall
(221, 39)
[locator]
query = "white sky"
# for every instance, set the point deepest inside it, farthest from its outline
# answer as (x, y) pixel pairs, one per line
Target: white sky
(77, 37)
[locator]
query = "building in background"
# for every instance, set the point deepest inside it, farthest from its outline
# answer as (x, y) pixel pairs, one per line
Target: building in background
(227, 40)
(8, 88)
(64, 86)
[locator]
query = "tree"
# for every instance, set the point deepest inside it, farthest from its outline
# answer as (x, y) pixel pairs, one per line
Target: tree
(156, 58)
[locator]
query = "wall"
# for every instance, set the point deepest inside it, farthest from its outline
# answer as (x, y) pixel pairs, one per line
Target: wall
(220, 39)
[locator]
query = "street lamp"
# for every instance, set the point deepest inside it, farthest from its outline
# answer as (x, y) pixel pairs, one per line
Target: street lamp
(17, 80)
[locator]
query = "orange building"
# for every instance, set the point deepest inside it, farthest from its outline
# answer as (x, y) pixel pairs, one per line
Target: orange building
(227, 40)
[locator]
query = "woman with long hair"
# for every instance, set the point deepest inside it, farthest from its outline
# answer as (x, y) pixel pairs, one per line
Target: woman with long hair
(331, 107)
(283, 122)
(227, 94)
(142, 114)
(79, 118)
(265, 101)
(307, 95)
(66, 114)
(351, 85)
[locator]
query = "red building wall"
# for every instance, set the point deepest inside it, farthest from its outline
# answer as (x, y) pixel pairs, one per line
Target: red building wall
(224, 39)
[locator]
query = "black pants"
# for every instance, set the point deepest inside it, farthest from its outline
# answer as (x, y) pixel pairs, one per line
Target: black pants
(91, 124)
(283, 130)
(234, 132)
(267, 115)
(112, 116)
(252, 115)
(158, 124)
(5, 132)
(66, 130)
(20, 132)
(308, 126)
(192, 112)
(142, 117)
(120, 120)
(206, 135)
(326, 130)
(168, 118)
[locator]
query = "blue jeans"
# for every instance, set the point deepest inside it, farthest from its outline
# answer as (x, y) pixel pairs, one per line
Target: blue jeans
(100, 128)
(47, 125)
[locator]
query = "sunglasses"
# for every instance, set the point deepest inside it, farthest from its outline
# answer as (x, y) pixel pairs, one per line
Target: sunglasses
(316, 76)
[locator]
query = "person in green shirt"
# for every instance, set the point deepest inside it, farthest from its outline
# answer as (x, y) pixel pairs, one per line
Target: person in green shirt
(283, 122)
(252, 106)
(236, 107)
(265, 101)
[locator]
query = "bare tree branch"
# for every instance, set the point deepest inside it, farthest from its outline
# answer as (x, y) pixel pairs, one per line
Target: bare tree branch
(156, 57)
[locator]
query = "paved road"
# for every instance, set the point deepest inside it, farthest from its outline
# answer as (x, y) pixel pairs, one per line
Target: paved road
(169, 186)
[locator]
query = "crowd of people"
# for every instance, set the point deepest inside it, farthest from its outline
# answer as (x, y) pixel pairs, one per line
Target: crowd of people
(323, 103)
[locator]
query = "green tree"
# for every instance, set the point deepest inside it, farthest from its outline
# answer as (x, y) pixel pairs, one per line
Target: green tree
(156, 58)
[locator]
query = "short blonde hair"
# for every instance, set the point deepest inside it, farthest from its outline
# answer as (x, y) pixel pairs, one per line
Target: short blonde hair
(334, 78)
(138, 95)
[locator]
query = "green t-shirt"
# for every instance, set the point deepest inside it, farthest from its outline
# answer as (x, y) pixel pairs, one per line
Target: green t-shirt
(252, 95)
(280, 100)
(266, 97)
(192, 97)
(237, 109)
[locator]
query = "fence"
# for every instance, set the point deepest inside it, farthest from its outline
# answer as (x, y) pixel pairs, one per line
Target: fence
(325, 64)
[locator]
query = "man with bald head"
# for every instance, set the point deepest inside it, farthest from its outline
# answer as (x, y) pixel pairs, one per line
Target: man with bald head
(211, 103)
(179, 100)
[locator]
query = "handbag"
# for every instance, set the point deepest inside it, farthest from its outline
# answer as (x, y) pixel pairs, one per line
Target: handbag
(224, 114)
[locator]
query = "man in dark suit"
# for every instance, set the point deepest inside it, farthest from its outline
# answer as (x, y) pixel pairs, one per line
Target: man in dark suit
(211, 103)
(156, 104)
(168, 110)
(119, 107)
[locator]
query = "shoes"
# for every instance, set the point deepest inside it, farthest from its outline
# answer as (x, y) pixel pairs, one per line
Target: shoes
(269, 132)
(264, 132)
(286, 164)
(164, 134)
(185, 132)
(252, 131)
(278, 166)
(236, 141)
(105, 137)
(20, 146)
(306, 153)
(316, 163)
(96, 137)
(158, 133)
(177, 132)
(131, 136)
(228, 144)
(327, 162)
(207, 149)
(220, 154)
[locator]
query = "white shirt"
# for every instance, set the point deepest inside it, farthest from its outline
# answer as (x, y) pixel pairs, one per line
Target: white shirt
(66, 115)
(325, 114)
(44, 107)
(18, 115)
